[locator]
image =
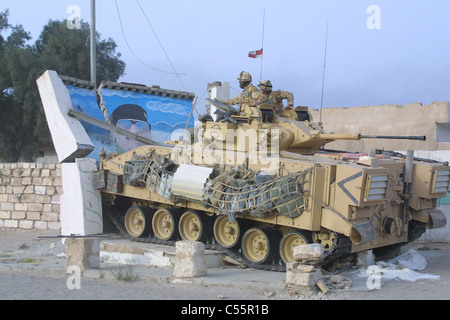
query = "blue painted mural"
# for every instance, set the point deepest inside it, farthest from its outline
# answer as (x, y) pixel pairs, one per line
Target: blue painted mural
(150, 116)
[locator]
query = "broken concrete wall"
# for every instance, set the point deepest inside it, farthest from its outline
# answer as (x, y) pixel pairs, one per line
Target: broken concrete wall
(81, 210)
(69, 137)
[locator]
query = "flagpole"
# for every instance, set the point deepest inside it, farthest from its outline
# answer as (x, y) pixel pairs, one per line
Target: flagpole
(262, 46)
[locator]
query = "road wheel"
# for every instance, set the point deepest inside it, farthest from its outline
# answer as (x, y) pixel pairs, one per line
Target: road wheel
(138, 221)
(260, 245)
(194, 226)
(289, 241)
(227, 234)
(165, 224)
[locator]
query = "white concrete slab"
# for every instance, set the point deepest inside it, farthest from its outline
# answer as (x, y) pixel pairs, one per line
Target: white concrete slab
(81, 205)
(69, 137)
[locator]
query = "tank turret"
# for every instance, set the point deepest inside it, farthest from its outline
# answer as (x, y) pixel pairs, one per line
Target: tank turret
(294, 131)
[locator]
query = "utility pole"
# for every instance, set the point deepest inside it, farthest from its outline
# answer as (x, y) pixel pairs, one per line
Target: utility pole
(93, 46)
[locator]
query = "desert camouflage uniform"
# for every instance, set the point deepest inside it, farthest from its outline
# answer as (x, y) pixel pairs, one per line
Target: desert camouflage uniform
(276, 98)
(245, 101)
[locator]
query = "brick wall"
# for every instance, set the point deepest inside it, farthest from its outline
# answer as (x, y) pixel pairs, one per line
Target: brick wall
(29, 195)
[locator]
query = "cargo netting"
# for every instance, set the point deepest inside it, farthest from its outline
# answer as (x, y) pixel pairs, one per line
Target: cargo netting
(239, 192)
(152, 171)
(235, 192)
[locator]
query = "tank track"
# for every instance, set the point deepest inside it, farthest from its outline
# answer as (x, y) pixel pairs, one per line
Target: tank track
(236, 255)
(341, 245)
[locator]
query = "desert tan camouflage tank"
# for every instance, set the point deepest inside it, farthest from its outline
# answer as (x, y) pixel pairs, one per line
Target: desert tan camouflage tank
(258, 187)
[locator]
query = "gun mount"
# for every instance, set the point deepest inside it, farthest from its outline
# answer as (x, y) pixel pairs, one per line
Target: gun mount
(296, 132)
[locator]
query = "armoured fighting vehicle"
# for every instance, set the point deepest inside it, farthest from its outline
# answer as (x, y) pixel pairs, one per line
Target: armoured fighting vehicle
(258, 187)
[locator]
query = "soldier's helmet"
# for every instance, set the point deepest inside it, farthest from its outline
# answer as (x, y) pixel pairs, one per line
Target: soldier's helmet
(266, 86)
(245, 76)
(244, 79)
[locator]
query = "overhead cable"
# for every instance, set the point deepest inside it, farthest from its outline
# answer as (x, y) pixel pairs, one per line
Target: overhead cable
(129, 47)
(162, 47)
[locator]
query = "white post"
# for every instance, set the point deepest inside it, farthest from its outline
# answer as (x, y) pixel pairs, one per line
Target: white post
(81, 205)
(220, 91)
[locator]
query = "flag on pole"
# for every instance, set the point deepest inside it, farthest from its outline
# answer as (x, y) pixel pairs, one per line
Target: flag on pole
(256, 54)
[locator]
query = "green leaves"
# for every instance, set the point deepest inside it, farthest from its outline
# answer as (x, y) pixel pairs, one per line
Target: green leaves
(23, 126)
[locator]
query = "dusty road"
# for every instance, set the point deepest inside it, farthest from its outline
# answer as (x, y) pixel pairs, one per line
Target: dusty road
(25, 286)
(41, 278)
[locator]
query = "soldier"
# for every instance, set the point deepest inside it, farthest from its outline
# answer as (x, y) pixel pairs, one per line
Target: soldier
(246, 99)
(266, 95)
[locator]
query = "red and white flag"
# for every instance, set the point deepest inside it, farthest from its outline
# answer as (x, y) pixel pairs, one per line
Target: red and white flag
(256, 54)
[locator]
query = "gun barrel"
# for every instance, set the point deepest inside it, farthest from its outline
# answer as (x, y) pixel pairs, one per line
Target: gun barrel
(337, 136)
(419, 138)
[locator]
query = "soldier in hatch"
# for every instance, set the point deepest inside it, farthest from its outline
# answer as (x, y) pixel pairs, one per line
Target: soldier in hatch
(267, 95)
(246, 99)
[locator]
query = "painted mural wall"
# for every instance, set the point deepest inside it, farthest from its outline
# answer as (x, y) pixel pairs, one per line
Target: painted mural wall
(153, 117)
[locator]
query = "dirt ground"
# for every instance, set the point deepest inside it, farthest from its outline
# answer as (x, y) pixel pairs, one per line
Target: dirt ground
(42, 277)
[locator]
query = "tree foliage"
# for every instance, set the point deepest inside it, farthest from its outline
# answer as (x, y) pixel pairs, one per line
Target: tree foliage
(23, 125)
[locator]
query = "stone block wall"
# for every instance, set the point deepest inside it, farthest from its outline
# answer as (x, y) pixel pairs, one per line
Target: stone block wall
(29, 196)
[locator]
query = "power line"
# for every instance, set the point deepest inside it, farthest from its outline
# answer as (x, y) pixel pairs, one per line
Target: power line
(324, 70)
(162, 47)
(129, 47)
(165, 52)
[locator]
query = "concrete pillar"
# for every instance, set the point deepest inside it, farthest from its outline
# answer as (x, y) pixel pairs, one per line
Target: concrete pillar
(83, 253)
(190, 260)
(365, 259)
(303, 276)
(81, 206)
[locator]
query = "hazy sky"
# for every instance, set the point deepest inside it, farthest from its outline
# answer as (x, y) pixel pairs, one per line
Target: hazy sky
(379, 52)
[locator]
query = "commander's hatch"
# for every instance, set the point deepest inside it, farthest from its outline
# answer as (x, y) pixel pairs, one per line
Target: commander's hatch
(267, 113)
(231, 114)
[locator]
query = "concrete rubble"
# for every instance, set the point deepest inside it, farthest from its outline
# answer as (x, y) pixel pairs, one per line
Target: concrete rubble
(305, 275)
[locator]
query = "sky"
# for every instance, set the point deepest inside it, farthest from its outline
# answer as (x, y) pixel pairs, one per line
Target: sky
(378, 51)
